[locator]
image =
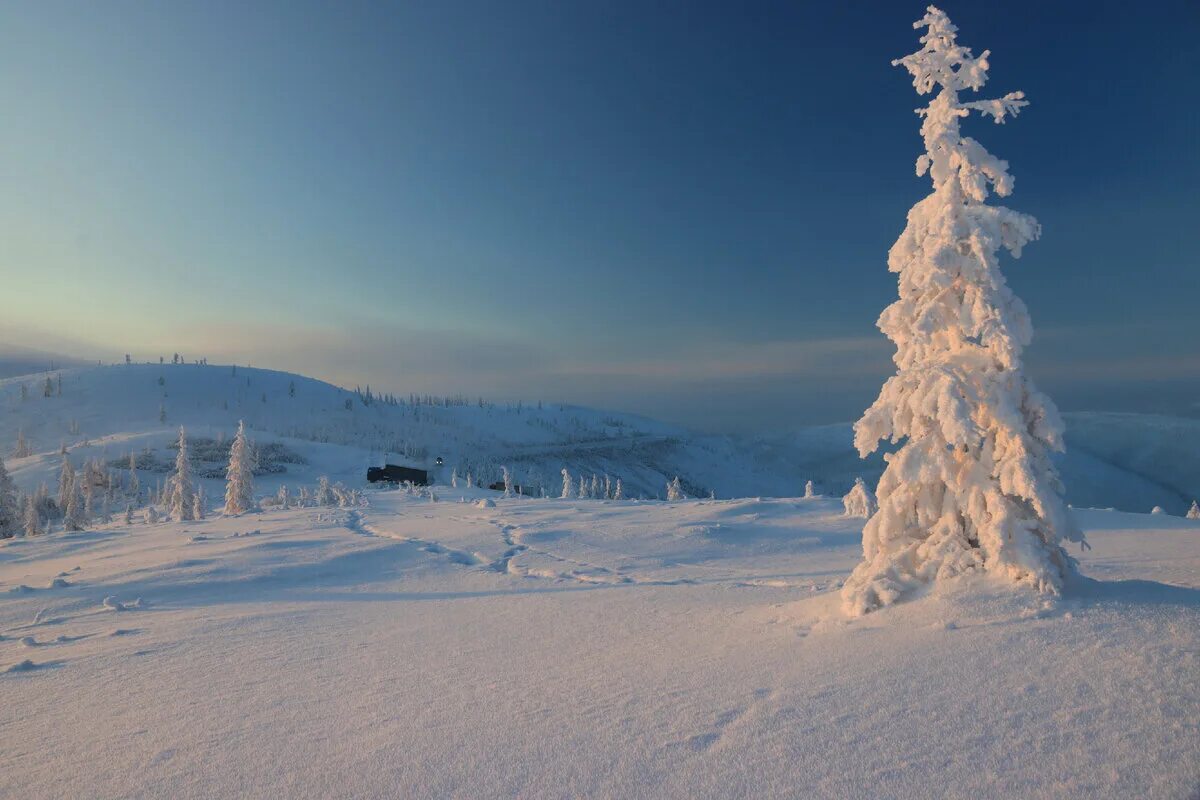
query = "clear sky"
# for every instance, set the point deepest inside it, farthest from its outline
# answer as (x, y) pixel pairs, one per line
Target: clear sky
(681, 209)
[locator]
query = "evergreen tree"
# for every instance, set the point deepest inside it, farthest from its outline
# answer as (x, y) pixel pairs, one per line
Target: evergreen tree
(325, 495)
(567, 483)
(508, 482)
(10, 511)
(74, 518)
(859, 501)
(135, 486)
(66, 484)
(48, 387)
(1194, 511)
(619, 492)
(972, 487)
(239, 476)
(675, 490)
(809, 490)
(33, 519)
(22, 450)
(181, 492)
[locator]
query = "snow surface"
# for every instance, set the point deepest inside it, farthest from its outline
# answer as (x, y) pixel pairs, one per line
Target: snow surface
(583, 648)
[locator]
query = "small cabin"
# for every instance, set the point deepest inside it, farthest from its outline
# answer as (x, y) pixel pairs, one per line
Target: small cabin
(393, 473)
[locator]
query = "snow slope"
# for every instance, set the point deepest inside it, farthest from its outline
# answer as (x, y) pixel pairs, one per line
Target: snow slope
(548, 648)
(1127, 461)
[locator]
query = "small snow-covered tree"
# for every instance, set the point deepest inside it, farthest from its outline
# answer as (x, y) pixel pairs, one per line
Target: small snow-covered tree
(972, 487)
(324, 492)
(135, 486)
(22, 450)
(239, 476)
(594, 489)
(66, 483)
(129, 513)
(48, 387)
(33, 519)
(809, 490)
(454, 478)
(285, 500)
(151, 515)
(199, 504)
(181, 492)
(162, 412)
(508, 481)
(470, 480)
(607, 487)
(619, 492)
(305, 497)
(10, 512)
(859, 501)
(582, 491)
(1194, 511)
(74, 518)
(675, 490)
(1158, 510)
(567, 483)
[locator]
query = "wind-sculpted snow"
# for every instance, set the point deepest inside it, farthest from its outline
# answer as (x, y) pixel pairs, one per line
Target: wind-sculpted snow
(551, 648)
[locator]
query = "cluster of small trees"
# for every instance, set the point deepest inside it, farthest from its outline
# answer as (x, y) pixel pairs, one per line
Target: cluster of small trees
(595, 488)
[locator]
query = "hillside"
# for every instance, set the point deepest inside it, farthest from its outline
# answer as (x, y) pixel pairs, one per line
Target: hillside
(1126, 461)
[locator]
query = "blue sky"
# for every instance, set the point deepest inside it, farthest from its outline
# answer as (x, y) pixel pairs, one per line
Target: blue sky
(681, 209)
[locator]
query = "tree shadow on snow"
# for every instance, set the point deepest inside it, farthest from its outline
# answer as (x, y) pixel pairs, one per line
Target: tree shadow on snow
(1135, 592)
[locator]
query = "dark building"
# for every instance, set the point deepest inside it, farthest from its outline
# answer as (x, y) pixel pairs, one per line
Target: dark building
(393, 473)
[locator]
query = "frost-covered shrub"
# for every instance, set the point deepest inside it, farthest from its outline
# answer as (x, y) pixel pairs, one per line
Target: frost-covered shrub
(972, 487)
(1194, 511)
(859, 501)
(1158, 510)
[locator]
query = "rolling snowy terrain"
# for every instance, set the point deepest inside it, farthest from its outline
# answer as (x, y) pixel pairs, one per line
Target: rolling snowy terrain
(1130, 462)
(582, 648)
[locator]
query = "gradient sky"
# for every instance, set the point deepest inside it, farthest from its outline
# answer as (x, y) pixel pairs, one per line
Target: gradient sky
(681, 209)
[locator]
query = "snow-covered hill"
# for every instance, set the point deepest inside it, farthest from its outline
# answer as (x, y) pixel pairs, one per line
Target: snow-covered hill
(1126, 461)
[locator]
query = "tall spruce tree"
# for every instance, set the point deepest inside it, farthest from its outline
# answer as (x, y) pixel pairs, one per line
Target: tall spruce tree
(972, 487)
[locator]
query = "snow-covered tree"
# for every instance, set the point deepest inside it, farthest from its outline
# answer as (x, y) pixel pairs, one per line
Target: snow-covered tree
(582, 491)
(285, 500)
(22, 450)
(972, 487)
(151, 515)
(454, 478)
(567, 483)
(239, 476)
(594, 489)
(508, 481)
(199, 504)
(48, 387)
(809, 490)
(305, 498)
(607, 486)
(859, 501)
(162, 412)
(66, 483)
(675, 490)
(181, 492)
(74, 517)
(135, 486)
(1194, 511)
(470, 479)
(324, 492)
(619, 492)
(1158, 510)
(129, 513)
(10, 512)
(33, 519)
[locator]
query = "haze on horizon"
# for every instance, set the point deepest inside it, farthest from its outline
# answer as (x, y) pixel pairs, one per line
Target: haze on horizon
(678, 212)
